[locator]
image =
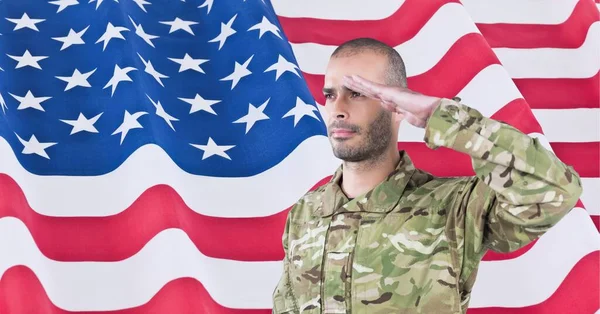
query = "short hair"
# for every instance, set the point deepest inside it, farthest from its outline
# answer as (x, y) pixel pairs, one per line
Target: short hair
(396, 73)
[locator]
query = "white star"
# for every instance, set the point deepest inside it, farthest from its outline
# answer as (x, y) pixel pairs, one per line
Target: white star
(160, 111)
(110, 33)
(119, 75)
(139, 30)
(282, 66)
(178, 24)
(30, 101)
(238, 73)
(254, 114)
(25, 22)
(83, 124)
(189, 63)
(63, 4)
(28, 60)
(3, 104)
(33, 146)
(129, 122)
(141, 4)
(226, 31)
(198, 103)
(72, 38)
(77, 79)
(211, 148)
(300, 110)
(149, 68)
(265, 26)
(207, 3)
(100, 2)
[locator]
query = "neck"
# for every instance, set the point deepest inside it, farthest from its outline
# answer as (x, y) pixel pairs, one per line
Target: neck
(361, 177)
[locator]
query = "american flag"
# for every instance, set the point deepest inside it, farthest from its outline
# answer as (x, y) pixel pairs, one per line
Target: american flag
(150, 150)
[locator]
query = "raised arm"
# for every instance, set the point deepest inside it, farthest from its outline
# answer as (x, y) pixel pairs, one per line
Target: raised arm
(520, 190)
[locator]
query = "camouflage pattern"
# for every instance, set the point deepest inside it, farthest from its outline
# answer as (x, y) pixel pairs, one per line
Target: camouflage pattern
(413, 244)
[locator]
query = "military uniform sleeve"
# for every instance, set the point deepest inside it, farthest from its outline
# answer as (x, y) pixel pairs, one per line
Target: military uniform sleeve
(520, 189)
(283, 301)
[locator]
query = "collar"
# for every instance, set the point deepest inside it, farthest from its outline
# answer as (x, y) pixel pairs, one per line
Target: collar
(383, 198)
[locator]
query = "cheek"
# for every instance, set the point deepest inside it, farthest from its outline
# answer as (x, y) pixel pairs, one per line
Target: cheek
(364, 114)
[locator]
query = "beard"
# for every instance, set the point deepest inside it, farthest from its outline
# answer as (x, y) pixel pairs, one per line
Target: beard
(373, 145)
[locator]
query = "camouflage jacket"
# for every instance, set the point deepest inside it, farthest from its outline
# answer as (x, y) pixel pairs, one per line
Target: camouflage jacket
(413, 244)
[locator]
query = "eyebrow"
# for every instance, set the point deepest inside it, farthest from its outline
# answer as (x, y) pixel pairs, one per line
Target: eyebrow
(329, 90)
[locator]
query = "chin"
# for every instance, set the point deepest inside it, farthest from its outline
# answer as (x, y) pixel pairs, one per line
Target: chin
(347, 153)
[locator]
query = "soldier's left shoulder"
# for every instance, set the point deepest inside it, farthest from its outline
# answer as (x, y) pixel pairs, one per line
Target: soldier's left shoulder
(305, 206)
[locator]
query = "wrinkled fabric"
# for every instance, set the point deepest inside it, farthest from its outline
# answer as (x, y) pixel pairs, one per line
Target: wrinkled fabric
(413, 244)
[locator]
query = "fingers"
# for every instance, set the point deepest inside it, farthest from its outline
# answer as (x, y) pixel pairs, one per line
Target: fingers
(363, 86)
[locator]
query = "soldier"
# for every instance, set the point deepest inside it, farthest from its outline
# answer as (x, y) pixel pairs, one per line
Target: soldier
(384, 237)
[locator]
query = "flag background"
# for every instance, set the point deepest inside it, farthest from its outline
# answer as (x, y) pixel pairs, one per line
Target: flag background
(156, 219)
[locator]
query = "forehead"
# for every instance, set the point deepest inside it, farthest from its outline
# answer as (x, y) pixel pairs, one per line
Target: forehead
(369, 65)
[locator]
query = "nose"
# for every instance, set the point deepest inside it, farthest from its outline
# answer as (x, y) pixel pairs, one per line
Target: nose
(338, 109)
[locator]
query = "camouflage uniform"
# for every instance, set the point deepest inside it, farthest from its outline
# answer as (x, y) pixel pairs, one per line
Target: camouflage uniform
(413, 244)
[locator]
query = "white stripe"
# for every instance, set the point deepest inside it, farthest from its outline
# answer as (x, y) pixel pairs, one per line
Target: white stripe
(336, 9)
(490, 90)
(420, 54)
(598, 6)
(542, 140)
(520, 11)
(104, 286)
(476, 94)
(591, 195)
(535, 276)
(112, 193)
(581, 62)
(570, 125)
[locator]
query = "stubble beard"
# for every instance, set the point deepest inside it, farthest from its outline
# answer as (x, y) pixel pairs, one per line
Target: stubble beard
(372, 147)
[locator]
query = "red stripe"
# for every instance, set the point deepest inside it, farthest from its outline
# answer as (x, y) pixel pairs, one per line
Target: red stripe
(596, 220)
(117, 237)
(93, 238)
(561, 93)
(463, 61)
(583, 157)
(22, 292)
(517, 114)
(578, 293)
(404, 24)
(569, 34)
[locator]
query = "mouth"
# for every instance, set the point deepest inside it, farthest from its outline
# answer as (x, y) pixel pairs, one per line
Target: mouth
(342, 133)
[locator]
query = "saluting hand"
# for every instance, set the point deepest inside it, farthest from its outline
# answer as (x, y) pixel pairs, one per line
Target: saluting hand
(416, 108)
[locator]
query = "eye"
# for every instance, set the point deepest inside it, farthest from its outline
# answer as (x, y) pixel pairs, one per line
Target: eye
(328, 96)
(356, 94)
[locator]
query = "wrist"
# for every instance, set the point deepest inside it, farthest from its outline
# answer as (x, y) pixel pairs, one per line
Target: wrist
(429, 104)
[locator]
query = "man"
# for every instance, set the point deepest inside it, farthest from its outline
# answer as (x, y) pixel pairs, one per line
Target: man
(384, 237)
